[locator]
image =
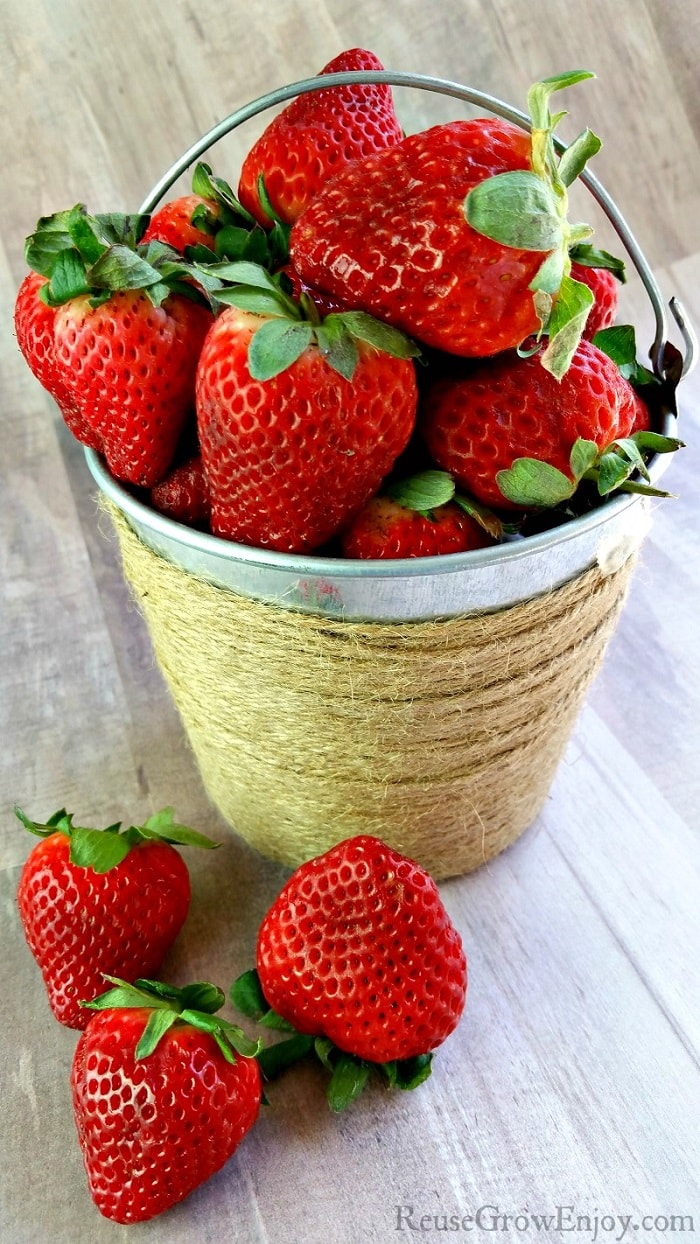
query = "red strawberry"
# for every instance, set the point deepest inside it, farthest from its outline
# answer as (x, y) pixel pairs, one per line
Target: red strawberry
(416, 518)
(172, 223)
(163, 1094)
(510, 407)
(316, 135)
(358, 948)
(447, 234)
(184, 494)
(603, 285)
(125, 340)
(130, 369)
(298, 422)
(34, 326)
(101, 901)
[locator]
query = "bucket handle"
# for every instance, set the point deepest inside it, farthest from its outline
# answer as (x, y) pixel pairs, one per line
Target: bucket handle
(468, 95)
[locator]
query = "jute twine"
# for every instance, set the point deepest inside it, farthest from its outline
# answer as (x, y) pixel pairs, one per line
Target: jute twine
(441, 737)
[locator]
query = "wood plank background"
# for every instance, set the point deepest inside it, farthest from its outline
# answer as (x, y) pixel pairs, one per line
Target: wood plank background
(573, 1078)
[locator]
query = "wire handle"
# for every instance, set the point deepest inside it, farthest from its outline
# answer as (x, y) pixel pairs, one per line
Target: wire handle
(470, 95)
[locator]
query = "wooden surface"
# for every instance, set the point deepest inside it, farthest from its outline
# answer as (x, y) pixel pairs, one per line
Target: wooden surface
(573, 1078)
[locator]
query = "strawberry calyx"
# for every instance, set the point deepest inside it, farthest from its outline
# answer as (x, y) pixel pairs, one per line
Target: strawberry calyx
(425, 491)
(195, 1005)
(290, 326)
(235, 233)
(589, 256)
(532, 483)
(97, 256)
(103, 849)
(349, 1073)
(528, 210)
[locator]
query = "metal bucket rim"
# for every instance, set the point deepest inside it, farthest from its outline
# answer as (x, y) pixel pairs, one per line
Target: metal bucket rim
(347, 568)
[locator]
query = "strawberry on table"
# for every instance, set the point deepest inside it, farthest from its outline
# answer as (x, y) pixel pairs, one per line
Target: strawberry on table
(164, 1091)
(421, 516)
(299, 419)
(317, 134)
(94, 901)
(359, 956)
(128, 325)
(459, 234)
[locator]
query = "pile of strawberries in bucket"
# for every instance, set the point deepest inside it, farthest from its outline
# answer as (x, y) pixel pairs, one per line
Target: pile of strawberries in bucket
(381, 346)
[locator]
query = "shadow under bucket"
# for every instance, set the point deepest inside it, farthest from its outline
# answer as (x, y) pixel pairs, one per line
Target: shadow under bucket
(427, 701)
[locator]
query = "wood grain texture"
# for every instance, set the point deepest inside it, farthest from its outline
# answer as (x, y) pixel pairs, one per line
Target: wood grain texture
(573, 1078)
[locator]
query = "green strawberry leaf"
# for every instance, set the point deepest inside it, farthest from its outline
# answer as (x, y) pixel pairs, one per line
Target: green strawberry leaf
(247, 298)
(620, 345)
(324, 1050)
(591, 257)
(275, 1059)
(207, 186)
(245, 273)
(162, 825)
(119, 268)
(95, 849)
(376, 333)
(517, 209)
(424, 491)
(277, 345)
(50, 237)
(485, 517)
(206, 221)
(408, 1073)
(122, 228)
(337, 346)
(248, 998)
(576, 156)
(229, 1037)
(529, 482)
(613, 470)
(157, 1025)
(657, 443)
(60, 822)
(202, 996)
(566, 324)
(84, 235)
(349, 1077)
(547, 280)
(126, 995)
(582, 458)
(68, 279)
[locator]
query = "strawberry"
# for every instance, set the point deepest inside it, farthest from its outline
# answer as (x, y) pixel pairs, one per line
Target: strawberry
(173, 224)
(34, 327)
(127, 330)
(457, 235)
(211, 223)
(184, 494)
(92, 901)
(602, 283)
(131, 367)
(299, 420)
(163, 1093)
(358, 953)
(417, 517)
(317, 134)
(511, 408)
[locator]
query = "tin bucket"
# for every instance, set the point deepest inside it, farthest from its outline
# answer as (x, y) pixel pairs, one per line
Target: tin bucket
(426, 700)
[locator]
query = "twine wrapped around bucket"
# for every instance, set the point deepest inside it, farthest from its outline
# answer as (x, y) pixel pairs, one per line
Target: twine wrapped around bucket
(441, 737)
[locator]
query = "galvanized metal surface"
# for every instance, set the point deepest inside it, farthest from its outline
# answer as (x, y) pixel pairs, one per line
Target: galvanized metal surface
(409, 590)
